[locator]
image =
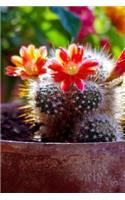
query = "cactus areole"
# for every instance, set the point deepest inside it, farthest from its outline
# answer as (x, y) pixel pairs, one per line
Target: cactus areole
(74, 94)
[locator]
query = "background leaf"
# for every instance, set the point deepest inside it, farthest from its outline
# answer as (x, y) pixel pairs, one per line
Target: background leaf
(69, 21)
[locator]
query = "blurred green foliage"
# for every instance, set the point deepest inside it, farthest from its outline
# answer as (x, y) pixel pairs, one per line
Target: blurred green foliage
(38, 25)
(51, 26)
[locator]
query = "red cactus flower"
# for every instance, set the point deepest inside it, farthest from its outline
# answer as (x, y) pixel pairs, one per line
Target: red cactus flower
(119, 67)
(29, 64)
(70, 67)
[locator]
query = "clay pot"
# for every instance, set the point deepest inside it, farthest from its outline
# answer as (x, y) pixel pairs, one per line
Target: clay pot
(57, 167)
(36, 167)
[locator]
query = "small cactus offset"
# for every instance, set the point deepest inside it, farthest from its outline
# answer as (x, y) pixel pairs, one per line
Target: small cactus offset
(98, 128)
(76, 95)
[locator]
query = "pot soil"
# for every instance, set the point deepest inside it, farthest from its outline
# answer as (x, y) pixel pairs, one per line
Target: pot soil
(59, 167)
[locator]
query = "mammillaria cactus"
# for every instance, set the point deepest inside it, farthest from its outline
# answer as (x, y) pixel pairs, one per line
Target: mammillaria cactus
(73, 94)
(98, 128)
(88, 100)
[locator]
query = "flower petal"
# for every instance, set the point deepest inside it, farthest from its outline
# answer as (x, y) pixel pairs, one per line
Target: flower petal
(76, 53)
(80, 84)
(24, 75)
(40, 62)
(23, 54)
(87, 68)
(65, 85)
(17, 60)
(43, 51)
(42, 71)
(120, 65)
(86, 65)
(56, 67)
(11, 71)
(118, 69)
(23, 51)
(59, 77)
(86, 73)
(72, 50)
(62, 56)
(30, 51)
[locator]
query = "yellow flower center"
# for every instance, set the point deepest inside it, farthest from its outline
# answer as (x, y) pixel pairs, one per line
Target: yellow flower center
(71, 69)
(31, 69)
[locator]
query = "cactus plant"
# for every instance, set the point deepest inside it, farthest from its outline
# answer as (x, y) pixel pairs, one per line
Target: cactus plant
(98, 128)
(73, 94)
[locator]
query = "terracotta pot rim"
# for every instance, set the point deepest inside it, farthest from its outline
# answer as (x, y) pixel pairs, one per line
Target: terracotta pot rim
(58, 143)
(42, 149)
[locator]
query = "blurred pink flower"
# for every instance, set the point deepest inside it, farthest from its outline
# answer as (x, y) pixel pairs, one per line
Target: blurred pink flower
(87, 20)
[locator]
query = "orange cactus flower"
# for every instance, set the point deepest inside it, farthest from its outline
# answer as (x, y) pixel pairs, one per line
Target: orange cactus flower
(117, 16)
(30, 63)
(119, 67)
(70, 68)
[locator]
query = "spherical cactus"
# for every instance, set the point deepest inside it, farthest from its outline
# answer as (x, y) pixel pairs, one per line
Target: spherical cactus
(50, 99)
(98, 128)
(47, 106)
(88, 100)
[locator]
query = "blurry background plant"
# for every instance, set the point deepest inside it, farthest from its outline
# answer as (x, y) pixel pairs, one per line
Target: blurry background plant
(55, 27)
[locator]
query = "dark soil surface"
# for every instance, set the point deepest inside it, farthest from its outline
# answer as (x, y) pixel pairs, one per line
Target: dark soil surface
(13, 127)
